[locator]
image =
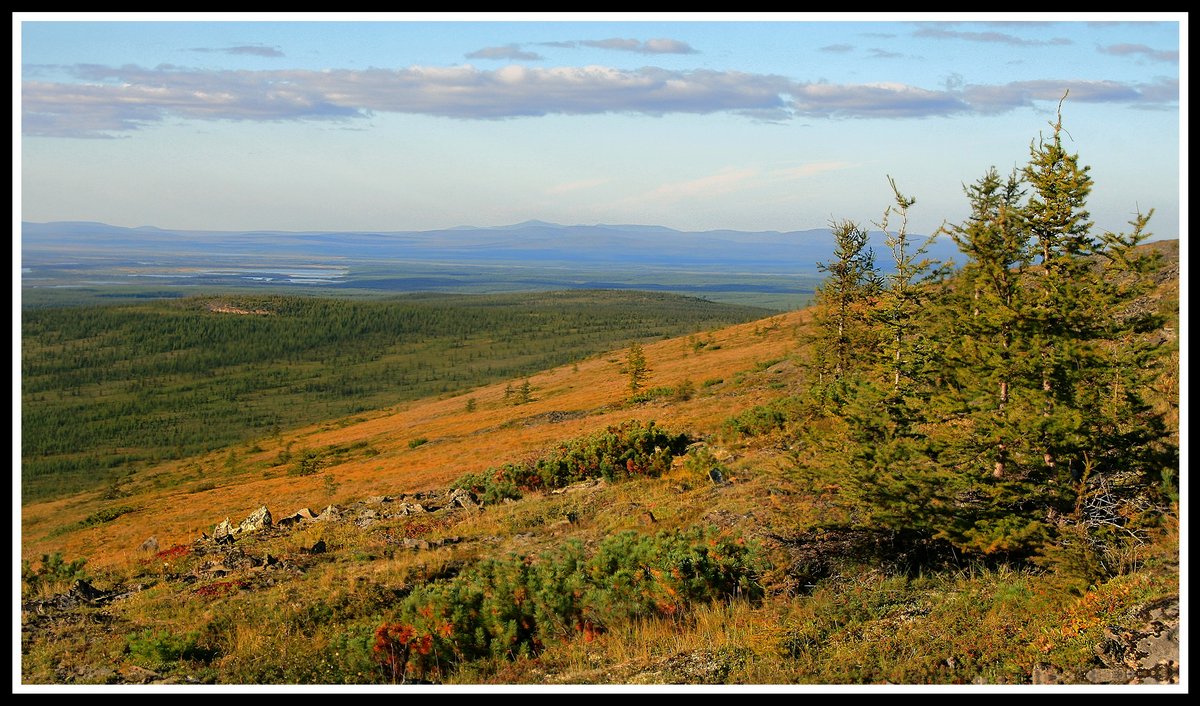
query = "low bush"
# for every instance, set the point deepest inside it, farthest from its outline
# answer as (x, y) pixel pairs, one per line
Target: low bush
(512, 607)
(622, 451)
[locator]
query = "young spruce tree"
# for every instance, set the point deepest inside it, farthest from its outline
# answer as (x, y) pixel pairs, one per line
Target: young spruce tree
(844, 337)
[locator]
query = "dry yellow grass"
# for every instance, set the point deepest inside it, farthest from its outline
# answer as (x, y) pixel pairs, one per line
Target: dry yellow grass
(593, 394)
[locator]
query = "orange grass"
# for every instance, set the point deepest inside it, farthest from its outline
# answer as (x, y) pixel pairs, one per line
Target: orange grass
(459, 442)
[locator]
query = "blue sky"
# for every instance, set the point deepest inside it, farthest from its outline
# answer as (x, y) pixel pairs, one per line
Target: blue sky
(751, 125)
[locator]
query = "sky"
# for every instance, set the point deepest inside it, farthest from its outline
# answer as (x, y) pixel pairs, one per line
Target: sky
(695, 122)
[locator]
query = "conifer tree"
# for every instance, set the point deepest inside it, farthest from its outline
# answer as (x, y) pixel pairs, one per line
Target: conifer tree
(1023, 427)
(636, 366)
(844, 337)
(1040, 359)
(884, 416)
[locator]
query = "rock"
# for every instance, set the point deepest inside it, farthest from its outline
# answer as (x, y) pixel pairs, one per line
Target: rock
(378, 499)
(366, 518)
(1155, 649)
(260, 519)
(149, 546)
(464, 499)
(302, 515)
(716, 477)
(1046, 675)
(406, 509)
(647, 518)
(138, 675)
(1107, 676)
(318, 548)
(331, 512)
(1146, 654)
(237, 558)
(223, 533)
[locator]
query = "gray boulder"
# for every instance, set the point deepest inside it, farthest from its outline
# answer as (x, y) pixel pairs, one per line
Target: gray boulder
(331, 512)
(223, 533)
(463, 498)
(302, 515)
(259, 520)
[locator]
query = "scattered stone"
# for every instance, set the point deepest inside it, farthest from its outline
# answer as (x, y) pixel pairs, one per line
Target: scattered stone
(149, 546)
(260, 519)
(318, 548)
(378, 499)
(223, 533)
(716, 476)
(332, 512)
(647, 518)
(366, 518)
(406, 509)
(464, 499)
(302, 515)
(138, 675)
(1107, 676)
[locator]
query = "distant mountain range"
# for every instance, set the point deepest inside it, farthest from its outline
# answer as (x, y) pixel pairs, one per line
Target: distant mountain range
(530, 243)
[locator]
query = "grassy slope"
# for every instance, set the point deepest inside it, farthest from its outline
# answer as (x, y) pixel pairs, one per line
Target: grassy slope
(459, 442)
(862, 620)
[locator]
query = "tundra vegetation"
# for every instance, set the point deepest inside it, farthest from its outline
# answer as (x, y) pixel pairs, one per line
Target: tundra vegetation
(961, 474)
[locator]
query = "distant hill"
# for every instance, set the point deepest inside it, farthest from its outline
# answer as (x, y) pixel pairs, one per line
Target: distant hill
(531, 242)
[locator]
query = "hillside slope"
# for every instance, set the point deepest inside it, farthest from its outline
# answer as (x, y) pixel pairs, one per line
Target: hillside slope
(172, 503)
(738, 564)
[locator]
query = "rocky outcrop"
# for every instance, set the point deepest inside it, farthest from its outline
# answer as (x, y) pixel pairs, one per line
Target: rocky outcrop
(1148, 654)
(304, 514)
(331, 512)
(260, 519)
(223, 533)
(464, 499)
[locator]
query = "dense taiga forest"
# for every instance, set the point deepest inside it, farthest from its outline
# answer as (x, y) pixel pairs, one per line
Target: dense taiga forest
(106, 389)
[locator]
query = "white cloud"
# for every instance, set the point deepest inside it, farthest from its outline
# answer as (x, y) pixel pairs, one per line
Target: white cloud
(1141, 50)
(108, 100)
(511, 52)
(650, 46)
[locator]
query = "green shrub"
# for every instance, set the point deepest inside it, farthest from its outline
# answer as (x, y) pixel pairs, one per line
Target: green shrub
(419, 441)
(764, 419)
(512, 607)
(621, 451)
(52, 573)
(160, 649)
(307, 463)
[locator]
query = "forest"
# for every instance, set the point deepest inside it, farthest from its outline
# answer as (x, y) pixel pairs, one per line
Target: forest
(106, 388)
